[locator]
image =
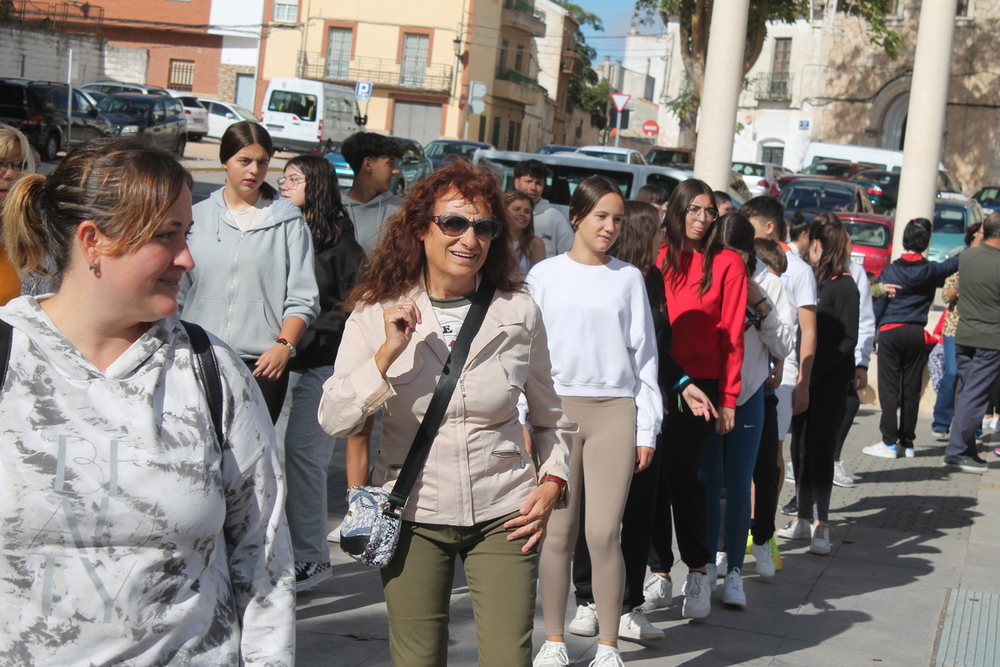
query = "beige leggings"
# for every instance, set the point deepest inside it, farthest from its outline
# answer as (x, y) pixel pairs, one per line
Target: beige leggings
(602, 460)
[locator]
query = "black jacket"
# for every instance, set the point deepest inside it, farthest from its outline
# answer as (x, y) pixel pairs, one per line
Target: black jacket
(918, 281)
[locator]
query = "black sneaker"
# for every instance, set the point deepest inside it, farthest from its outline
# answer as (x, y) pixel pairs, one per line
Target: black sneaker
(972, 464)
(792, 508)
(308, 575)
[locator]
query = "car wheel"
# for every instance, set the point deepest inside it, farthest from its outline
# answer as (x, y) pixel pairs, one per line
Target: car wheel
(195, 137)
(181, 143)
(51, 146)
(400, 187)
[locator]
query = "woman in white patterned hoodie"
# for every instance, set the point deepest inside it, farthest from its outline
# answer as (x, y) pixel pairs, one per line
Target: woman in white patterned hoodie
(129, 533)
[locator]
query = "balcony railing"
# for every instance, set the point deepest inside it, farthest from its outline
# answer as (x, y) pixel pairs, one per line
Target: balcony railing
(525, 8)
(572, 62)
(378, 71)
(774, 87)
(508, 74)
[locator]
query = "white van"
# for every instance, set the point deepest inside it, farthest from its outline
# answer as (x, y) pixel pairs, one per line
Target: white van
(880, 158)
(308, 115)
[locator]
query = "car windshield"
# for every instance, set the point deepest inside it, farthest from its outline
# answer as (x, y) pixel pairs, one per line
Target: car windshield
(302, 105)
(748, 169)
(880, 177)
(988, 195)
(949, 219)
(441, 148)
(870, 234)
(816, 198)
(131, 107)
(664, 156)
(828, 169)
(245, 114)
(617, 157)
(562, 181)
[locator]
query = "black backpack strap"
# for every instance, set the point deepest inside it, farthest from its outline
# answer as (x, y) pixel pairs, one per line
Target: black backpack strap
(6, 340)
(417, 456)
(208, 375)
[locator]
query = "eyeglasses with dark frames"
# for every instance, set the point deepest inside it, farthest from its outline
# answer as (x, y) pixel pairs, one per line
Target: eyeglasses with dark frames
(18, 166)
(455, 224)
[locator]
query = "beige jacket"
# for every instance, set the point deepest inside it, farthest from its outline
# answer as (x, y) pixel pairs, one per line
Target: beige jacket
(477, 469)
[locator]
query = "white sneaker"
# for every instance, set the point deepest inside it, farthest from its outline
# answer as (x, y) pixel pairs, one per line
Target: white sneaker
(765, 562)
(721, 560)
(820, 543)
(552, 654)
(909, 452)
(796, 529)
(334, 535)
(732, 592)
(712, 574)
(657, 591)
(634, 625)
(697, 600)
(881, 450)
(585, 621)
(608, 659)
(789, 474)
(840, 476)
(995, 422)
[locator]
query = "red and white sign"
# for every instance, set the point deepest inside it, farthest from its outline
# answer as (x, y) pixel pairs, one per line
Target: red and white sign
(620, 100)
(650, 128)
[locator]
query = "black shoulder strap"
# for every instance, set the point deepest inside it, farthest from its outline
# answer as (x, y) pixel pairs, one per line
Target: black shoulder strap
(208, 374)
(417, 455)
(6, 340)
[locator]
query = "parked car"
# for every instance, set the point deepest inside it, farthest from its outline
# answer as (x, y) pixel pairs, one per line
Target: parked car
(871, 240)
(112, 87)
(413, 166)
(309, 115)
(440, 149)
(760, 177)
(568, 170)
(670, 157)
(988, 197)
(882, 188)
(812, 196)
(549, 149)
(197, 117)
(40, 110)
(626, 155)
(223, 114)
(160, 118)
(951, 219)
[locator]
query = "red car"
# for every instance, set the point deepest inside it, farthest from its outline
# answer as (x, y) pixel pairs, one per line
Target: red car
(871, 240)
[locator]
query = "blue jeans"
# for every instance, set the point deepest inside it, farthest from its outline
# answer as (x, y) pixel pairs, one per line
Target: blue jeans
(944, 406)
(731, 459)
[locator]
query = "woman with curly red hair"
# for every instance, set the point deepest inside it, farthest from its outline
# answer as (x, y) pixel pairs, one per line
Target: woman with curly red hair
(480, 496)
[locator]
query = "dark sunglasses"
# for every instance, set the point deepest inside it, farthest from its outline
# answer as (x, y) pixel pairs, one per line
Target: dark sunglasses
(455, 224)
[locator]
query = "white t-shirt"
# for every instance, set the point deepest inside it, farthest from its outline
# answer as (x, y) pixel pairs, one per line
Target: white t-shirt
(800, 286)
(250, 217)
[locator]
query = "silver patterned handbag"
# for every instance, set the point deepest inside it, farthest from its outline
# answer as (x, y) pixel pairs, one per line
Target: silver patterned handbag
(370, 531)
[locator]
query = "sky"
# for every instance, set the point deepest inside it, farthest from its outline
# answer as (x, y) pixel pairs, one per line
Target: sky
(617, 18)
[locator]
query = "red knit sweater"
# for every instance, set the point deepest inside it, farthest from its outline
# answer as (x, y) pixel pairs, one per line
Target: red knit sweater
(708, 329)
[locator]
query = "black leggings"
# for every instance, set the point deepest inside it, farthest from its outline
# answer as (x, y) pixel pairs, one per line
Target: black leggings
(274, 392)
(680, 489)
(766, 474)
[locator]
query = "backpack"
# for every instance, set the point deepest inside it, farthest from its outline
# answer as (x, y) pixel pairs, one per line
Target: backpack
(205, 367)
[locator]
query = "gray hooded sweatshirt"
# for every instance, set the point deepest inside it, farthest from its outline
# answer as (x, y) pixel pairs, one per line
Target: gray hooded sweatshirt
(244, 284)
(368, 217)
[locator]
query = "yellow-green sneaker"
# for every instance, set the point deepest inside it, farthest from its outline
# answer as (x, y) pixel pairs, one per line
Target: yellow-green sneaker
(776, 555)
(750, 539)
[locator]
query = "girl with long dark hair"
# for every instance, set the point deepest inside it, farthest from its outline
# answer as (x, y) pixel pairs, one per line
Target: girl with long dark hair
(310, 182)
(528, 248)
(253, 284)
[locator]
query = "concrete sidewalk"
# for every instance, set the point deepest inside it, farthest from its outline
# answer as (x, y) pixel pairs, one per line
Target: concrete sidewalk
(911, 581)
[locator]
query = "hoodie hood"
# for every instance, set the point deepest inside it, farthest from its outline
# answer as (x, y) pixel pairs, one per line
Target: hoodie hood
(27, 316)
(369, 216)
(281, 210)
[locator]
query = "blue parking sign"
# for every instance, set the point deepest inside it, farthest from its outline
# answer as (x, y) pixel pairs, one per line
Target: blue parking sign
(363, 91)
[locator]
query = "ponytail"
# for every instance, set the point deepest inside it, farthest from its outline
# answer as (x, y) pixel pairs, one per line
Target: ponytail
(24, 230)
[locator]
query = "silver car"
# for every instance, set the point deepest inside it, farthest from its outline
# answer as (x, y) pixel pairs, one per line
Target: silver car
(761, 177)
(197, 117)
(223, 114)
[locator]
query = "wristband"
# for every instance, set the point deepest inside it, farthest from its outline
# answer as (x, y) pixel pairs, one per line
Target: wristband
(681, 382)
(558, 481)
(286, 343)
(763, 299)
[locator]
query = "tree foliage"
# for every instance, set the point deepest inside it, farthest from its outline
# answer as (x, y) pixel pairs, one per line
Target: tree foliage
(694, 18)
(586, 91)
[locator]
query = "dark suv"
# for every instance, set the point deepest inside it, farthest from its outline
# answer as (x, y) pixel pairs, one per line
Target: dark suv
(39, 110)
(160, 118)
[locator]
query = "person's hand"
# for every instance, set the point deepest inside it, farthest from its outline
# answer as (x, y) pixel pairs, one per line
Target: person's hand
(773, 380)
(726, 420)
(643, 457)
(890, 289)
(860, 378)
(271, 364)
(535, 511)
(400, 322)
(754, 296)
(698, 402)
(800, 398)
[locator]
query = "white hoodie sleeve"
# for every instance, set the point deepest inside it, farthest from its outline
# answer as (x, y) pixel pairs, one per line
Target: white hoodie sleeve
(648, 400)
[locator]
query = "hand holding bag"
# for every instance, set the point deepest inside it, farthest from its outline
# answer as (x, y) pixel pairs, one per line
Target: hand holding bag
(370, 530)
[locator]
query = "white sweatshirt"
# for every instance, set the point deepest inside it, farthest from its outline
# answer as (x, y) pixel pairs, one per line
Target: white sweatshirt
(600, 332)
(776, 335)
(129, 535)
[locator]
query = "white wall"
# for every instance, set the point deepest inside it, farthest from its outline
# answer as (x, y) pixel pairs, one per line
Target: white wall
(240, 51)
(549, 47)
(43, 54)
(236, 17)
